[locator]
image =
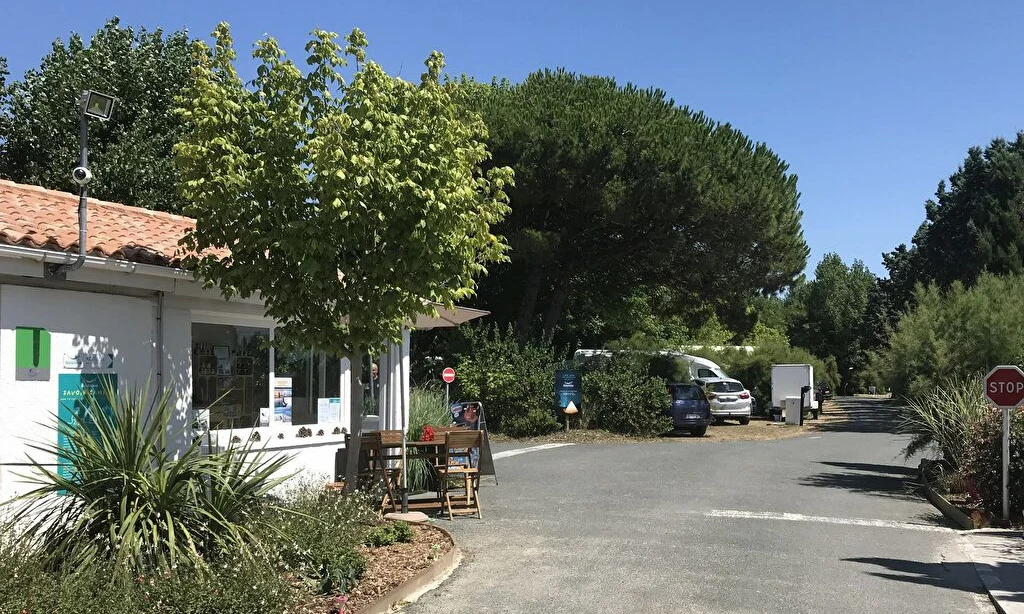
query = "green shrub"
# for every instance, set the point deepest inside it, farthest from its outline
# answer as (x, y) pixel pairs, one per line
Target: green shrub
(946, 417)
(133, 500)
(317, 533)
(426, 407)
(389, 533)
(239, 586)
(955, 332)
(983, 461)
(621, 396)
(514, 381)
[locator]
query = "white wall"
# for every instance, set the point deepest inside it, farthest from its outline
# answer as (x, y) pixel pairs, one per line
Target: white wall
(126, 327)
(77, 321)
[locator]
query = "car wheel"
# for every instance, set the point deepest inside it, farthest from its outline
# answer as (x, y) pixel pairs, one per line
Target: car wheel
(699, 432)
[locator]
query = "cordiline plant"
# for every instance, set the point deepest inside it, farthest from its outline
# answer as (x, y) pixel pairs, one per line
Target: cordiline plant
(134, 501)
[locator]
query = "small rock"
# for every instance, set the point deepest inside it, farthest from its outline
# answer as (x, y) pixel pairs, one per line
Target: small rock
(408, 517)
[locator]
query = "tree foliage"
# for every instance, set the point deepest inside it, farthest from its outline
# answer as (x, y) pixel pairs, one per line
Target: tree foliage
(618, 189)
(831, 320)
(959, 331)
(974, 225)
(344, 204)
(130, 155)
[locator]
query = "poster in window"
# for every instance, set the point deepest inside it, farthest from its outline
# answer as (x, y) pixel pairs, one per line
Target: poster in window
(328, 410)
(282, 400)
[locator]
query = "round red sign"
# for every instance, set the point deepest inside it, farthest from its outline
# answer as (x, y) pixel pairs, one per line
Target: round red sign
(1004, 386)
(448, 375)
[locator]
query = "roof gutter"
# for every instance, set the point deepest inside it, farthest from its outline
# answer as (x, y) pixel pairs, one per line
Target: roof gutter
(51, 257)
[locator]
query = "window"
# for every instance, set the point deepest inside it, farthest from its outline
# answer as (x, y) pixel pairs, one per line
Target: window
(687, 393)
(313, 376)
(726, 386)
(230, 373)
(706, 373)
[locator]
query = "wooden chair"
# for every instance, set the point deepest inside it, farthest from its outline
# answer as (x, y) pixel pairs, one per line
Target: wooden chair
(391, 464)
(455, 467)
(369, 470)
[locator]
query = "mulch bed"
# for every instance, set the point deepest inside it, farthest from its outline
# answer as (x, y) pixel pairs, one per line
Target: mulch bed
(390, 566)
(386, 568)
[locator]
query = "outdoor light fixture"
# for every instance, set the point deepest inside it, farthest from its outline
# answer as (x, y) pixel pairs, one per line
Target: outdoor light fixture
(97, 105)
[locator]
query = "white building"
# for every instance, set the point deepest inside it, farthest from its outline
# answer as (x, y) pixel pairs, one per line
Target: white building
(130, 312)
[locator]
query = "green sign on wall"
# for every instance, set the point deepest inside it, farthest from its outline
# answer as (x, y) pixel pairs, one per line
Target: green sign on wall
(72, 408)
(31, 354)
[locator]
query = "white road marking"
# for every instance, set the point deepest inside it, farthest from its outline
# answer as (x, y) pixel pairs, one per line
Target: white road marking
(518, 451)
(860, 522)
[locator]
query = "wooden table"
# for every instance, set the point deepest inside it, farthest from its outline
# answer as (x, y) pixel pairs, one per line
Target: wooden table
(429, 450)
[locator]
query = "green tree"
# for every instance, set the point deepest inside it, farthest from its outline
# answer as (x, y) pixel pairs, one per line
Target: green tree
(955, 332)
(130, 155)
(345, 205)
(617, 189)
(834, 307)
(974, 225)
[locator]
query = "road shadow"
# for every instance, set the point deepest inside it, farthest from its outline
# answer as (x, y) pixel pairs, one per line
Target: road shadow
(861, 415)
(952, 575)
(895, 481)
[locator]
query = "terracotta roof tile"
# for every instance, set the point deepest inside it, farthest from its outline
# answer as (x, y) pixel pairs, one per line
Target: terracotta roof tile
(32, 216)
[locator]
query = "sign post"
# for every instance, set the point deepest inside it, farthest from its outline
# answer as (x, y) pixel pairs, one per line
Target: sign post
(448, 375)
(1004, 388)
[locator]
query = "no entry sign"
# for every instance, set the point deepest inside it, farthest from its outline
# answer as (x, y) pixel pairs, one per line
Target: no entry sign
(448, 375)
(1004, 386)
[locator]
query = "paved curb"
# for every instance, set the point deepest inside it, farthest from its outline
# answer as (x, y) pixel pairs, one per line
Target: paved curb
(993, 585)
(424, 581)
(948, 510)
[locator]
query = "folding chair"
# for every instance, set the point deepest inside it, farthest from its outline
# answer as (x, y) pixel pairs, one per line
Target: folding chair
(456, 467)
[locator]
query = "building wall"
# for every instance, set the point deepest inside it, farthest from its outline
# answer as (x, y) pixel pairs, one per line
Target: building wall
(77, 322)
(128, 328)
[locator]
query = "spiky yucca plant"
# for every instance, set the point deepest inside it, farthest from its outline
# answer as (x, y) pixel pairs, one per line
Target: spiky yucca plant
(945, 417)
(133, 500)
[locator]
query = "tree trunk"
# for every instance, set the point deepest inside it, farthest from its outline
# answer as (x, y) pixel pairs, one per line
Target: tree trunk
(558, 298)
(355, 421)
(528, 302)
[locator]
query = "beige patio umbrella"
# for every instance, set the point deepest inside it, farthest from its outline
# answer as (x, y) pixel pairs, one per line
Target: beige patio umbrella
(447, 318)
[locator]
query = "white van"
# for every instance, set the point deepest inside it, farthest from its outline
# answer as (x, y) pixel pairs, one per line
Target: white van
(699, 367)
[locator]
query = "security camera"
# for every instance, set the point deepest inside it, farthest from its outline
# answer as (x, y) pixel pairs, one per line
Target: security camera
(81, 175)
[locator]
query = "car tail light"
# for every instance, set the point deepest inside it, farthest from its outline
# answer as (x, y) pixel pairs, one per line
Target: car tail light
(744, 395)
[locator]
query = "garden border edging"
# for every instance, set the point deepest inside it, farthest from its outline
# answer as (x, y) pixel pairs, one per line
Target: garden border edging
(948, 510)
(425, 580)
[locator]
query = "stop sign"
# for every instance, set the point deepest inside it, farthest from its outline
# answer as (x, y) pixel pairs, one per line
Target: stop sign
(1004, 386)
(448, 375)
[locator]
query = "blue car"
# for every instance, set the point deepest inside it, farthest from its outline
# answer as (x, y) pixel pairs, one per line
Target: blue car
(691, 410)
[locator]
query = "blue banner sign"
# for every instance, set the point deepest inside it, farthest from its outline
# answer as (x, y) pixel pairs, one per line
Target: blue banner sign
(568, 387)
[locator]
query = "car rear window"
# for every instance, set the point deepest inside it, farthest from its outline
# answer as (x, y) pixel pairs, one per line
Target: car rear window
(726, 386)
(687, 393)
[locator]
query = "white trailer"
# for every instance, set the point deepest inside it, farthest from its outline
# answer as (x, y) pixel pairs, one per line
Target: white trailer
(787, 380)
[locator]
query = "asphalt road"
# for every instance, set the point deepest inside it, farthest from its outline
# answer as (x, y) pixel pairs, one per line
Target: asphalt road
(827, 523)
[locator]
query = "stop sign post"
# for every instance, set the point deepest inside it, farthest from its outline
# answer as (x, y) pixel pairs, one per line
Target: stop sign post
(448, 376)
(1004, 388)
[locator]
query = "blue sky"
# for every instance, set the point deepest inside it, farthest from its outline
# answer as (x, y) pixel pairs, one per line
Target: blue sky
(871, 103)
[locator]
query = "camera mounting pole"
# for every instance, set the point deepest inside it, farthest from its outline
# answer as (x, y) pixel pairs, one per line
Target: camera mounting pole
(100, 106)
